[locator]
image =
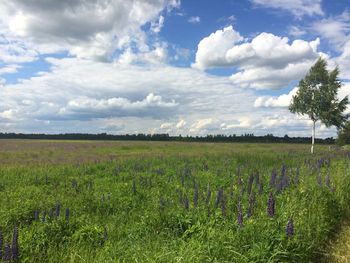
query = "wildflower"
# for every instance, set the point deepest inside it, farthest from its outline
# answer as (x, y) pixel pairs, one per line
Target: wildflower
(250, 184)
(187, 205)
(43, 217)
(273, 178)
(133, 187)
(223, 208)
(36, 215)
(1, 243)
(296, 178)
(14, 248)
(51, 213)
(67, 214)
(261, 188)
(271, 206)
(257, 178)
(290, 228)
(219, 197)
(7, 253)
(58, 207)
(251, 205)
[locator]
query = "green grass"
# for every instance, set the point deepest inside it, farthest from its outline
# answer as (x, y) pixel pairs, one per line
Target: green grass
(124, 201)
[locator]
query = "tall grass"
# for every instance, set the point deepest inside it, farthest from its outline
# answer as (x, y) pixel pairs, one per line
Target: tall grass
(249, 206)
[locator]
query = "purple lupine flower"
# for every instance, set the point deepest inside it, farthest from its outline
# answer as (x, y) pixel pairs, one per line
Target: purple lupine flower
(219, 197)
(240, 214)
(250, 184)
(187, 205)
(58, 208)
(7, 253)
(1, 242)
(251, 205)
(273, 178)
(290, 228)
(257, 178)
(43, 217)
(296, 178)
(261, 188)
(14, 248)
(181, 199)
(223, 207)
(242, 190)
(207, 199)
(271, 206)
(36, 215)
(283, 170)
(51, 213)
(133, 187)
(284, 181)
(67, 214)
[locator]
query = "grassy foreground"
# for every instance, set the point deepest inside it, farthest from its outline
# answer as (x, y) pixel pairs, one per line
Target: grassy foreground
(169, 202)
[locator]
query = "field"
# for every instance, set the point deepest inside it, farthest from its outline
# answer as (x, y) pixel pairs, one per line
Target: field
(86, 201)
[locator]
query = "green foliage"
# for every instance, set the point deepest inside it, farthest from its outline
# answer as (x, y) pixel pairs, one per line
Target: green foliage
(109, 222)
(344, 135)
(317, 96)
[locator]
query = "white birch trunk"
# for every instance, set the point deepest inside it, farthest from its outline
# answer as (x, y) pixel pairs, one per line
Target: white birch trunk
(313, 137)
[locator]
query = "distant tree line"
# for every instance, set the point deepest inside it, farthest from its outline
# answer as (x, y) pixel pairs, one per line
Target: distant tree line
(248, 137)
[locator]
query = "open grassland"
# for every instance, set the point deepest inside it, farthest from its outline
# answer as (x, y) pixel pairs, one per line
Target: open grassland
(169, 202)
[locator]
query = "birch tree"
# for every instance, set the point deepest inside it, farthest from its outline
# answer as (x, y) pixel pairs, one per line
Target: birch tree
(317, 98)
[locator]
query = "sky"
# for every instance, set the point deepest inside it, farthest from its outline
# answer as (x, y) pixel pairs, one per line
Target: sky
(165, 66)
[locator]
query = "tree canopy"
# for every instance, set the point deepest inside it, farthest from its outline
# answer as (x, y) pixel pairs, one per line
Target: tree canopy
(317, 97)
(344, 135)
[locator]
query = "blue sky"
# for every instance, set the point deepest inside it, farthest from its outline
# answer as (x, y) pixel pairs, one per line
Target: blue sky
(165, 66)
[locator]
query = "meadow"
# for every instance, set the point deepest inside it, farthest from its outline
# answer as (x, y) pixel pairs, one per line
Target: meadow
(89, 201)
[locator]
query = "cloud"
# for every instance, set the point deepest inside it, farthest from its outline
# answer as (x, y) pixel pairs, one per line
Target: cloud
(212, 50)
(89, 108)
(88, 29)
(298, 8)
(204, 126)
(267, 61)
(194, 19)
(335, 29)
(280, 101)
(284, 100)
(180, 124)
(86, 96)
(157, 27)
(9, 69)
(296, 31)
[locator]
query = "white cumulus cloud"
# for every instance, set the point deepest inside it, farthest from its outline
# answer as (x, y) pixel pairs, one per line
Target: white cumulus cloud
(266, 62)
